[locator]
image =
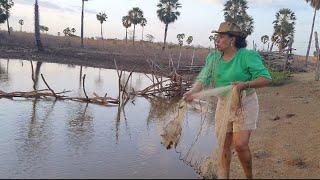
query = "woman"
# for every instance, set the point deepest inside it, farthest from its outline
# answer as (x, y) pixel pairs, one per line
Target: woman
(234, 64)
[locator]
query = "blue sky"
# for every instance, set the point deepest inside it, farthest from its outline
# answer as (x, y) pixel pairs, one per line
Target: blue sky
(198, 18)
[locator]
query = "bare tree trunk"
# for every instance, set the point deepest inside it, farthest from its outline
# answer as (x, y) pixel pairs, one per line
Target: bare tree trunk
(308, 50)
(165, 37)
(194, 49)
(37, 27)
(142, 32)
(271, 46)
(282, 45)
(7, 66)
(134, 31)
(287, 55)
(80, 76)
(317, 76)
(20, 28)
(253, 45)
(36, 75)
(126, 35)
(179, 59)
(8, 24)
(82, 24)
(101, 32)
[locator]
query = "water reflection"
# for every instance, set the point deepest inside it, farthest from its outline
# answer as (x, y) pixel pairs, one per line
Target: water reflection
(80, 126)
(161, 108)
(138, 83)
(80, 78)
(98, 81)
(67, 139)
(36, 126)
(4, 75)
(8, 65)
(35, 74)
(35, 139)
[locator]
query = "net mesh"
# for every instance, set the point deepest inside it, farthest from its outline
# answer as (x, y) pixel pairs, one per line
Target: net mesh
(193, 147)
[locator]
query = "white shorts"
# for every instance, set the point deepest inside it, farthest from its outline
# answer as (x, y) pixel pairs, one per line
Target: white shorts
(245, 120)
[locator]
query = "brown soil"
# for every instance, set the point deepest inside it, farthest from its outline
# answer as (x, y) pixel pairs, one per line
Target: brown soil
(286, 143)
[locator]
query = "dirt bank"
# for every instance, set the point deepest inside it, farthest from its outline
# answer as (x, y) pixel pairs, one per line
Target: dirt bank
(286, 143)
(98, 53)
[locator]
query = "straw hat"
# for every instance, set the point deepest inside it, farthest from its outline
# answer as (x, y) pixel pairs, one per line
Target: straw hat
(230, 28)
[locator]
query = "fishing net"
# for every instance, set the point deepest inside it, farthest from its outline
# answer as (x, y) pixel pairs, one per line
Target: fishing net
(172, 131)
(193, 147)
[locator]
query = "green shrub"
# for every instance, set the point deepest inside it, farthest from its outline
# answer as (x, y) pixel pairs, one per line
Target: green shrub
(279, 78)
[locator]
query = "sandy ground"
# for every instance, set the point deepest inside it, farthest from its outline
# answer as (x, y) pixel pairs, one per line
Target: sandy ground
(286, 143)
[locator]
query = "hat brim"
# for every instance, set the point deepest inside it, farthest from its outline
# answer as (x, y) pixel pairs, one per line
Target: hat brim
(241, 34)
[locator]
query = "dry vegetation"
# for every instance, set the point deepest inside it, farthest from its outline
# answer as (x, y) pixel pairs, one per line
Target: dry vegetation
(97, 53)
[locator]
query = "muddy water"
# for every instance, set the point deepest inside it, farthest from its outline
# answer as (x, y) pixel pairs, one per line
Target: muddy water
(65, 139)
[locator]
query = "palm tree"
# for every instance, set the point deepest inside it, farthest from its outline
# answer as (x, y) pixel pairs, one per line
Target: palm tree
(168, 13)
(316, 5)
(82, 22)
(143, 23)
(126, 22)
(6, 5)
(3, 16)
(21, 24)
(136, 16)
(284, 27)
(44, 28)
(102, 17)
(189, 40)
(73, 30)
(180, 38)
(264, 40)
(274, 40)
(235, 11)
(67, 31)
(211, 38)
(149, 37)
(37, 26)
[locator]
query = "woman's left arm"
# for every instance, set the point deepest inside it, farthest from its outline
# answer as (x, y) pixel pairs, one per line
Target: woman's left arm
(260, 74)
(256, 83)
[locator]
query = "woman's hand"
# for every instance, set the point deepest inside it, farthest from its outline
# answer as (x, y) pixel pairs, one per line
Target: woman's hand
(240, 85)
(256, 83)
(196, 87)
(188, 96)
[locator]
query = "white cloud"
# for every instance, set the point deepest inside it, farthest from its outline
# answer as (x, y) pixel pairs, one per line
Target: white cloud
(259, 2)
(216, 2)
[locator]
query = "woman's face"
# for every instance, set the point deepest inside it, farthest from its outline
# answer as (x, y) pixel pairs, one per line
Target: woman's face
(224, 41)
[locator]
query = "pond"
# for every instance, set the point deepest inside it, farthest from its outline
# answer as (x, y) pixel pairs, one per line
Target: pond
(68, 139)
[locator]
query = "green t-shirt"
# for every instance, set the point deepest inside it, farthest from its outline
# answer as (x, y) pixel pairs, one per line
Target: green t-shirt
(246, 65)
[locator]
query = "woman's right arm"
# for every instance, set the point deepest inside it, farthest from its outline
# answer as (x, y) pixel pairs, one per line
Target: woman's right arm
(196, 87)
(202, 80)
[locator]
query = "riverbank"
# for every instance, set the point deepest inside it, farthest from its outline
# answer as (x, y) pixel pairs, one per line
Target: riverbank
(99, 53)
